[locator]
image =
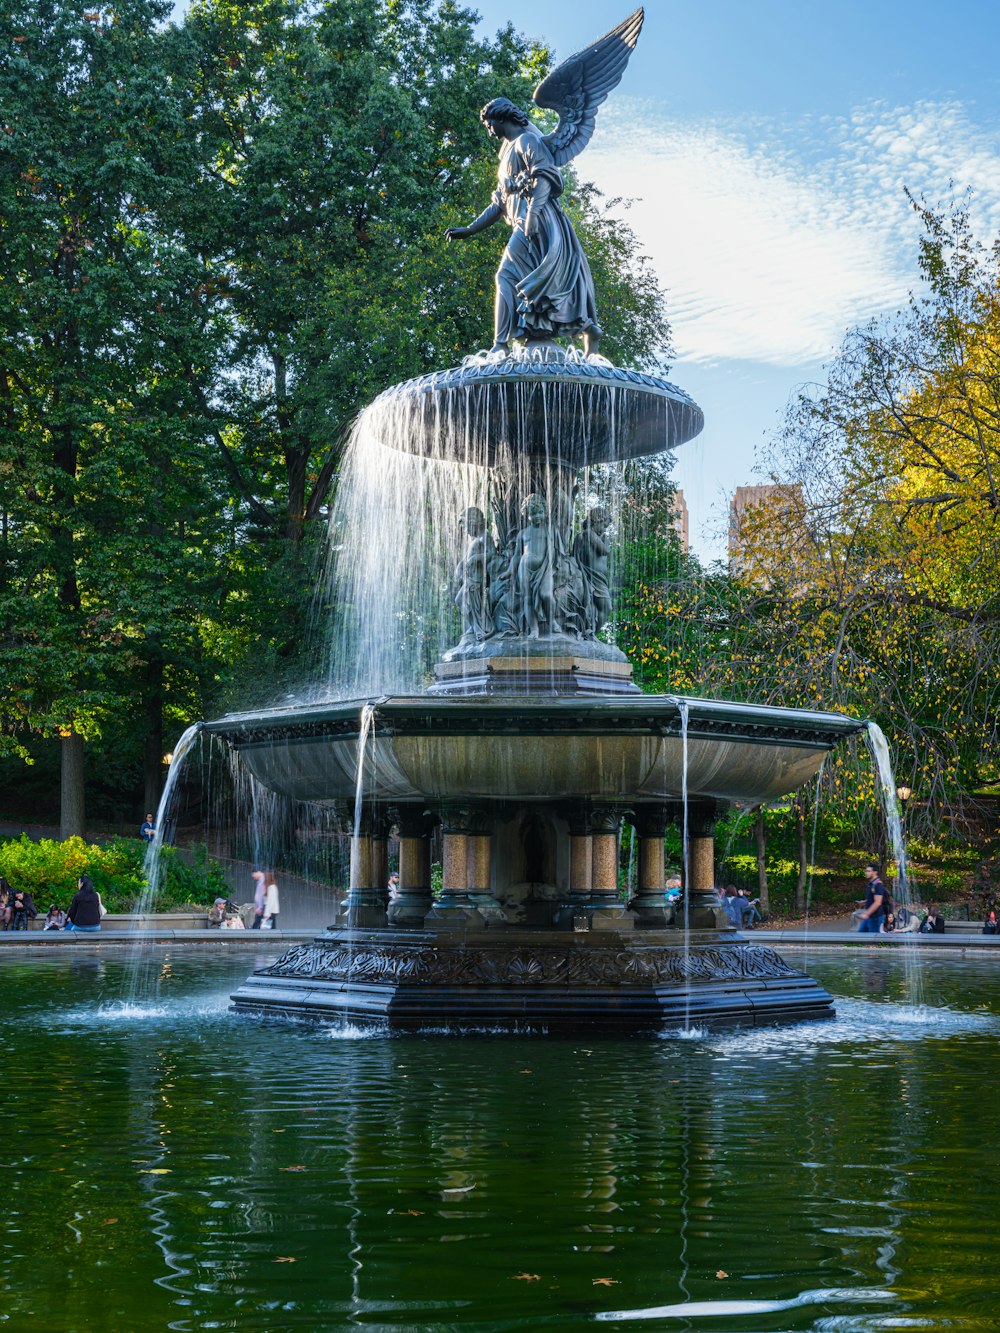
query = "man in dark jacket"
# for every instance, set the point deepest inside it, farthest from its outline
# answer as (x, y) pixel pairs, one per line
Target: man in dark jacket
(24, 909)
(85, 909)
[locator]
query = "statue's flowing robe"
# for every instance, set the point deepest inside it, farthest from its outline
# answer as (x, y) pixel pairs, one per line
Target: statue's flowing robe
(544, 281)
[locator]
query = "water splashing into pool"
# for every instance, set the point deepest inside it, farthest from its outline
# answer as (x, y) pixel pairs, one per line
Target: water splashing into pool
(683, 713)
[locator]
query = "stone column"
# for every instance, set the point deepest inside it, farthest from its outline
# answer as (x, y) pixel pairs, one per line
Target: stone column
(365, 905)
(456, 908)
(571, 913)
(414, 900)
(705, 912)
(606, 909)
(479, 865)
(652, 908)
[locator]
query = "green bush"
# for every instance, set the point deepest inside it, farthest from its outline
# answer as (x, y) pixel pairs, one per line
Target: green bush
(49, 871)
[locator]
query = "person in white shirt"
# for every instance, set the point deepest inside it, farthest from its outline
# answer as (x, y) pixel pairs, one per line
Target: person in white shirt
(271, 907)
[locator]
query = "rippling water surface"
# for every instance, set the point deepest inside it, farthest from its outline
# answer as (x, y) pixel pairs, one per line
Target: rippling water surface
(165, 1164)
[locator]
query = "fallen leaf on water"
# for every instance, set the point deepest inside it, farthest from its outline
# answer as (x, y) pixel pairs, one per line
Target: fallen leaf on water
(605, 1282)
(293, 1168)
(411, 1212)
(525, 1071)
(285, 1259)
(722, 1273)
(156, 1171)
(277, 1131)
(526, 1277)
(110, 1221)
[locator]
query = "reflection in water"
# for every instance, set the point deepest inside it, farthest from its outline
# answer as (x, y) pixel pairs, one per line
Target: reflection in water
(188, 1169)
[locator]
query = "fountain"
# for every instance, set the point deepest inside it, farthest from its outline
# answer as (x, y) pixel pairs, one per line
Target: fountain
(532, 745)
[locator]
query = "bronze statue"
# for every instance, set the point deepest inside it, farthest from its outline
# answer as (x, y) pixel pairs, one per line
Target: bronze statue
(532, 568)
(592, 551)
(472, 576)
(543, 284)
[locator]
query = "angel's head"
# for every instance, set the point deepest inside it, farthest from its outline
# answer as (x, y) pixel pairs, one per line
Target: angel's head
(502, 111)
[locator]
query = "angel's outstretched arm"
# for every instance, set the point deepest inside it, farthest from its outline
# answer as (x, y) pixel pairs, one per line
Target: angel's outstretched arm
(486, 218)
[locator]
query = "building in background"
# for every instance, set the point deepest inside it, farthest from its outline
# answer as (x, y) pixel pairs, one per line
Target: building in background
(681, 523)
(767, 531)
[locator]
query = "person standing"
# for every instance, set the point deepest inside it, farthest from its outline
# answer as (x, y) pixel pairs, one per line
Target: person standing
(872, 915)
(259, 893)
(271, 907)
(85, 909)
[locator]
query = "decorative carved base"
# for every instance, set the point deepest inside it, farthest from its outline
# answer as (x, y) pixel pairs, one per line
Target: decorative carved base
(573, 674)
(516, 978)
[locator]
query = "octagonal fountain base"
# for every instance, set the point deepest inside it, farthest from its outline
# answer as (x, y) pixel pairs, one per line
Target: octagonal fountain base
(531, 980)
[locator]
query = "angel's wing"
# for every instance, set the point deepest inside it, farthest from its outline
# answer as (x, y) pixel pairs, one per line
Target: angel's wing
(578, 86)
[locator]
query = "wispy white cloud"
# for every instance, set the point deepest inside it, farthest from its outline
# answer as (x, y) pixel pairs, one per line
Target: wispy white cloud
(774, 238)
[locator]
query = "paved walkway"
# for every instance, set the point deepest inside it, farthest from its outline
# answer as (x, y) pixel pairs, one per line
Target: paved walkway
(957, 935)
(828, 935)
(267, 941)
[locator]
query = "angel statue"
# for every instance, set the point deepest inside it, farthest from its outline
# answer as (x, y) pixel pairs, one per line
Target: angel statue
(543, 284)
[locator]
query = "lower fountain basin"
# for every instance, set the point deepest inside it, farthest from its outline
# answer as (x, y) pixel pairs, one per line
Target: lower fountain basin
(530, 749)
(517, 979)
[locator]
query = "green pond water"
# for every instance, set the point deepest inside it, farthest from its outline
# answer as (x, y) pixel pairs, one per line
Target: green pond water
(166, 1165)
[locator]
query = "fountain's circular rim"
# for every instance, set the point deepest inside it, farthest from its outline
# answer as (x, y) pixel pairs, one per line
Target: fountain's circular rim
(521, 369)
(583, 430)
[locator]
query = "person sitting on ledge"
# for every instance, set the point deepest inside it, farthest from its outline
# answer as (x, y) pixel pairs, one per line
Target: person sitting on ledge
(907, 920)
(55, 918)
(217, 913)
(24, 910)
(85, 909)
(990, 924)
(933, 922)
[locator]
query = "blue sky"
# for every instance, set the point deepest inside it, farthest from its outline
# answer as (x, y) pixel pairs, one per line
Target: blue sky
(767, 147)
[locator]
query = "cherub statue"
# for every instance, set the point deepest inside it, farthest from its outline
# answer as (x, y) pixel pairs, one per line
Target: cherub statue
(592, 551)
(472, 577)
(543, 284)
(532, 568)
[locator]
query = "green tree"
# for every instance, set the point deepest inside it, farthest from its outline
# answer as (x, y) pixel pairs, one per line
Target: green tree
(218, 240)
(103, 484)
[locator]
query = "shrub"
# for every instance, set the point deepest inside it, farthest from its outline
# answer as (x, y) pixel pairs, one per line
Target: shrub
(49, 871)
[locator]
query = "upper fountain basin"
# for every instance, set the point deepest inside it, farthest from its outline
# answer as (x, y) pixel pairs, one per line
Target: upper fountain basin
(548, 403)
(628, 749)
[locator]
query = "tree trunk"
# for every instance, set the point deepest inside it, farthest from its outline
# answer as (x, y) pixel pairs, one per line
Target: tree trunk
(765, 903)
(152, 770)
(800, 883)
(72, 821)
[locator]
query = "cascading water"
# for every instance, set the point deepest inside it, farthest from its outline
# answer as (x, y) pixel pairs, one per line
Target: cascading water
(142, 975)
(684, 714)
(906, 892)
(388, 611)
(817, 793)
(366, 729)
(886, 784)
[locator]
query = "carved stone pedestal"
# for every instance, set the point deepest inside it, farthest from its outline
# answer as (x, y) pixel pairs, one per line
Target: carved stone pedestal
(516, 978)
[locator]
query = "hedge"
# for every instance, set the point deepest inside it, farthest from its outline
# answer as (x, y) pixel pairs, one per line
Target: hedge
(49, 871)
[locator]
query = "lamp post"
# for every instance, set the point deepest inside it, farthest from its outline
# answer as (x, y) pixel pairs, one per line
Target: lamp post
(904, 793)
